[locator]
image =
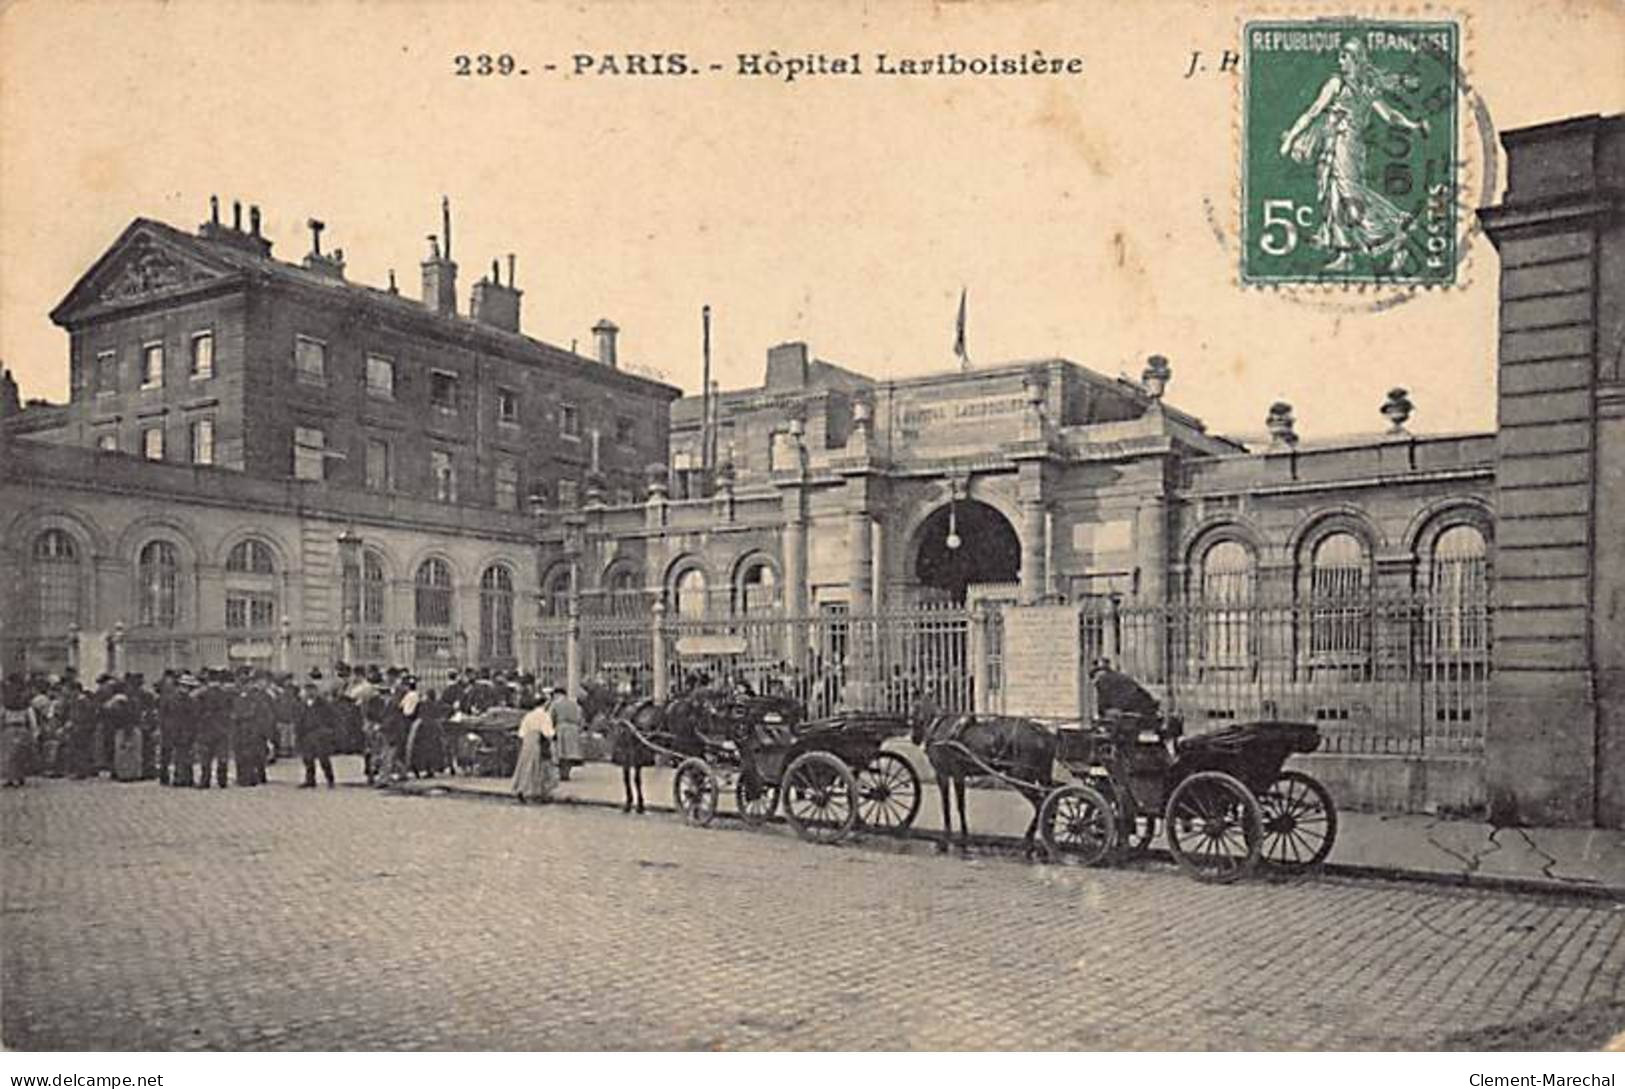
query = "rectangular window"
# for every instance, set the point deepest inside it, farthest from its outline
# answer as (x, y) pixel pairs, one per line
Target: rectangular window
(623, 430)
(568, 496)
(309, 449)
(378, 465)
(569, 421)
(202, 436)
(507, 405)
(310, 360)
(106, 372)
(107, 441)
(443, 474)
(202, 355)
(245, 611)
(152, 443)
(152, 366)
(443, 390)
(381, 377)
(507, 484)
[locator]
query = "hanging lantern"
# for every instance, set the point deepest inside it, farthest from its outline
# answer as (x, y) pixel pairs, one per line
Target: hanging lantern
(953, 541)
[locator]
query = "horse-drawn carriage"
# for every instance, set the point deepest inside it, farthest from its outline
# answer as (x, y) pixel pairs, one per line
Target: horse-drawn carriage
(831, 776)
(1223, 799)
(486, 743)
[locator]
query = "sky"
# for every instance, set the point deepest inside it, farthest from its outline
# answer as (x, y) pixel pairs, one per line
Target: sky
(1092, 217)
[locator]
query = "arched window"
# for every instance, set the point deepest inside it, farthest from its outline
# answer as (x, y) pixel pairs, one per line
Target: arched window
(496, 614)
(251, 591)
(556, 593)
(251, 557)
(372, 589)
(623, 593)
(1226, 582)
(689, 594)
(1337, 596)
(58, 587)
(158, 585)
(433, 594)
(1459, 591)
(758, 589)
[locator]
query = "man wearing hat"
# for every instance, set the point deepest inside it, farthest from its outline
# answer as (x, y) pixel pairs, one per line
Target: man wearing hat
(212, 726)
(175, 728)
(253, 722)
(1119, 697)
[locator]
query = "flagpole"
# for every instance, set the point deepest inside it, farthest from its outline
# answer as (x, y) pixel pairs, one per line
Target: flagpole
(959, 334)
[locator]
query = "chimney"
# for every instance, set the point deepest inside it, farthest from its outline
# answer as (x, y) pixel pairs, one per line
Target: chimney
(606, 331)
(439, 270)
(234, 235)
(496, 303)
(788, 366)
(322, 264)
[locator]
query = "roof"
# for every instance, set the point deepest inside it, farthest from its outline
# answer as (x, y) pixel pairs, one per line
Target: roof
(221, 261)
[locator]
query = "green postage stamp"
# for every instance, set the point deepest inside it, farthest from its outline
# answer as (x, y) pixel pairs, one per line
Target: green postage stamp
(1349, 155)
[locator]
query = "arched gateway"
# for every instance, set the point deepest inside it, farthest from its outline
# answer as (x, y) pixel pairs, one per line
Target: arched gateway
(965, 543)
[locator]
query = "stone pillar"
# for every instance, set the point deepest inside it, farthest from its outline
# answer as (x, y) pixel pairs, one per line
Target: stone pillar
(1034, 573)
(1555, 742)
(572, 649)
(860, 554)
(657, 657)
(1151, 550)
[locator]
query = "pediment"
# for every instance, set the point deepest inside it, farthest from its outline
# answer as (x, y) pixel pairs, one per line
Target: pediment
(139, 266)
(147, 268)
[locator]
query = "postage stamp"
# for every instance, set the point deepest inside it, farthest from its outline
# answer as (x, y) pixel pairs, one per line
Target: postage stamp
(1350, 169)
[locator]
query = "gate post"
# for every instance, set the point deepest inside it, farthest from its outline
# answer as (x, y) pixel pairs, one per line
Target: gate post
(662, 681)
(73, 647)
(572, 648)
(980, 625)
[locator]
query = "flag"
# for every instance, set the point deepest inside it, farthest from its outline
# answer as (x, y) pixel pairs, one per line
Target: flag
(959, 333)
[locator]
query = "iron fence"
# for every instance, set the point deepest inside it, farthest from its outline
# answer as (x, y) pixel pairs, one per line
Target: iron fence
(1392, 674)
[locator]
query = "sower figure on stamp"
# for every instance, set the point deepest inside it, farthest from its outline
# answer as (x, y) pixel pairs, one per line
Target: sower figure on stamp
(1331, 134)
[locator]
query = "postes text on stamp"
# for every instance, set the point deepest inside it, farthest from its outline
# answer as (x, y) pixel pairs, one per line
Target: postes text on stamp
(1349, 168)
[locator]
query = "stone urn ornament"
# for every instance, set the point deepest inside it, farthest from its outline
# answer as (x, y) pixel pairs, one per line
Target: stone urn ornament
(1398, 409)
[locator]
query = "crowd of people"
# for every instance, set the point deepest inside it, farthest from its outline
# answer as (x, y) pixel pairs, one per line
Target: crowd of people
(217, 727)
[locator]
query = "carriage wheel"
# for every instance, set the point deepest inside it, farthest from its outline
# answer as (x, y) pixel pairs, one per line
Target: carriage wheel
(694, 791)
(888, 793)
(1215, 827)
(758, 810)
(1300, 821)
(820, 797)
(1078, 825)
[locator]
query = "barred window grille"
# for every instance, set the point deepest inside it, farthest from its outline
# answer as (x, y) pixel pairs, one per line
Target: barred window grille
(250, 611)
(1337, 597)
(1460, 591)
(1226, 604)
(434, 594)
(364, 590)
(556, 593)
(58, 585)
(158, 584)
(496, 613)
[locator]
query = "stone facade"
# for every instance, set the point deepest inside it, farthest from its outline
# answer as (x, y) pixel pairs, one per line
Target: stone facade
(1354, 583)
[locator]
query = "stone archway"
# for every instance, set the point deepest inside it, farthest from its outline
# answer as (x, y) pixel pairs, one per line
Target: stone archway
(965, 543)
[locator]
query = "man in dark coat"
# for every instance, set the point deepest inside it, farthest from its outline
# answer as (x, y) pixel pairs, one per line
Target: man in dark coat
(176, 713)
(316, 730)
(253, 721)
(212, 723)
(1117, 695)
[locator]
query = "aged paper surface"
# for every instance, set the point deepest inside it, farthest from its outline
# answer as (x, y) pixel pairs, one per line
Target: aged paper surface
(1091, 214)
(1265, 213)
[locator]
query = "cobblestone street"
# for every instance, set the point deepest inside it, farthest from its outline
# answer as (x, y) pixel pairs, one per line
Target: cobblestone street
(137, 917)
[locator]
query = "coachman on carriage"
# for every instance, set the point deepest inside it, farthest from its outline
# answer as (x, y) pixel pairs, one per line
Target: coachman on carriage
(1223, 798)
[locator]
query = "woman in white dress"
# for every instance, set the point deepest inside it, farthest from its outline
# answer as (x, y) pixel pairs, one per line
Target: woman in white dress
(535, 776)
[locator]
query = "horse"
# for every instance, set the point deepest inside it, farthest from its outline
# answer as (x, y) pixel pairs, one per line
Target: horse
(959, 746)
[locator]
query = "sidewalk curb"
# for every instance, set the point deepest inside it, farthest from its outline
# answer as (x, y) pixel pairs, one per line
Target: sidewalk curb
(1012, 845)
